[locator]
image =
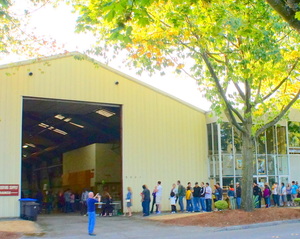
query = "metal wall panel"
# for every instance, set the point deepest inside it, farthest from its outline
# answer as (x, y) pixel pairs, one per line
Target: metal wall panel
(163, 139)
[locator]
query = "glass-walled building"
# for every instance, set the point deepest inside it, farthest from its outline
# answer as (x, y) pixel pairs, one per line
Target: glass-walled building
(270, 156)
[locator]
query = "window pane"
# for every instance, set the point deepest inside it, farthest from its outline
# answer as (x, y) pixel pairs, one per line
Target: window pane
(226, 138)
(217, 165)
(271, 164)
(211, 166)
(209, 138)
(215, 138)
(294, 136)
(281, 138)
(238, 164)
(270, 141)
(262, 167)
(283, 165)
(228, 165)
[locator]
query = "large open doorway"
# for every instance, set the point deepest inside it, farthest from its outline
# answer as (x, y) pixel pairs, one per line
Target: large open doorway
(70, 145)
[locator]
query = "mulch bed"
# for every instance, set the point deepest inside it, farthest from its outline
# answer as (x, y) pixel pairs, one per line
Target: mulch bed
(10, 235)
(235, 217)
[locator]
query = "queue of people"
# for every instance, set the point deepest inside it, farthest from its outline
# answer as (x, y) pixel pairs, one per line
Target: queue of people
(199, 198)
(276, 195)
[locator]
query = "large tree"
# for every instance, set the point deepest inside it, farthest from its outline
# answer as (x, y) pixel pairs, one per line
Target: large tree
(244, 57)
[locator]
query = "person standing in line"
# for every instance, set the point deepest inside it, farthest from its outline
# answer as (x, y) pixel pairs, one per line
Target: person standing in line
(238, 192)
(218, 192)
(276, 194)
(145, 200)
(257, 195)
(196, 197)
(267, 195)
(181, 195)
(92, 212)
(230, 194)
(67, 196)
(158, 197)
(129, 201)
(189, 184)
(202, 197)
(174, 189)
(173, 202)
(188, 197)
(283, 194)
(208, 197)
(154, 200)
(289, 195)
(84, 197)
(294, 192)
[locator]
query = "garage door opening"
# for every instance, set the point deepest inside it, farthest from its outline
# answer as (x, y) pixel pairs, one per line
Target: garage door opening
(70, 145)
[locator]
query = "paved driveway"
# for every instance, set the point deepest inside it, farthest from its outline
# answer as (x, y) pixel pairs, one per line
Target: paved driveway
(73, 226)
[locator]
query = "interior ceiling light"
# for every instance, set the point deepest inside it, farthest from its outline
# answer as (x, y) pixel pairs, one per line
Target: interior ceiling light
(30, 145)
(46, 126)
(25, 146)
(77, 125)
(105, 113)
(59, 116)
(59, 131)
(67, 119)
(43, 125)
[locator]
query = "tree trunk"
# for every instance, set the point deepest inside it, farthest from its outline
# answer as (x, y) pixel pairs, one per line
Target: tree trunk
(247, 175)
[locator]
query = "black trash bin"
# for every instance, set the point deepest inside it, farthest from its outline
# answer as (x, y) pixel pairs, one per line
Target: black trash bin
(31, 210)
(28, 208)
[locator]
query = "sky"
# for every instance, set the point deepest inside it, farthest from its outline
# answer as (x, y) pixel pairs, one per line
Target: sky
(59, 24)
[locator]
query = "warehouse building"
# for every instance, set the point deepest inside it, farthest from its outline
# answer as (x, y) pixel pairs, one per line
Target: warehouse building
(70, 122)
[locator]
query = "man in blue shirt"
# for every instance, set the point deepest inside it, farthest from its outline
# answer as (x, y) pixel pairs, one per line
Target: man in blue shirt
(294, 192)
(91, 211)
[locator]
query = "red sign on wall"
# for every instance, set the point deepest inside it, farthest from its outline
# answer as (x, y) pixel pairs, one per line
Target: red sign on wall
(9, 189)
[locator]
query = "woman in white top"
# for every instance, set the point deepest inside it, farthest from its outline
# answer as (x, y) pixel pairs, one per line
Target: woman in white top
(283, 194)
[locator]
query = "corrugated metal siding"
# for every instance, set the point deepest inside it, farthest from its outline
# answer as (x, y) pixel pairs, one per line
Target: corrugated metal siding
(163, 139)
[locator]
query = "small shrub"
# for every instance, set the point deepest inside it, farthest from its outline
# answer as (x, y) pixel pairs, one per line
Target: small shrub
(255, 201)
(297, 201)
(221, 205)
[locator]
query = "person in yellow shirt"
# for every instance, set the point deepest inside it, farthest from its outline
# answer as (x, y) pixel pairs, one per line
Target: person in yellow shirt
(188, 196)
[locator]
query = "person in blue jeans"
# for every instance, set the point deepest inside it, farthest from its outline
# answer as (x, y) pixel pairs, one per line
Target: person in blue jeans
(238, 191)
(91, 211)
(202, 197)
(181, 194)
(145, 200)
(196, 197)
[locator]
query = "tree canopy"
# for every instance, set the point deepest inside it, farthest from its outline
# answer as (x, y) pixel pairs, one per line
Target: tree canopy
(15, 38)
(244, 57)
